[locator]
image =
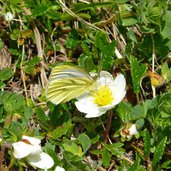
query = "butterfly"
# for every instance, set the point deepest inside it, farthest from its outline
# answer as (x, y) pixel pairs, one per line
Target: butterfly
(68, 82)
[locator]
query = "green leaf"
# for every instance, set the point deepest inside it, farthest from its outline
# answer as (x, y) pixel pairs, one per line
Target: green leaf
(41, 114)
(139, 123)
(106, 157)
(27, 112)
(129, 21)
(82, 6)
(85, 141)
(107, 50)
(73, 148)
(115, 148)
(137, 73)
(2, 84)
(159, 151)
(136, 165)
(166, 72)
(124, 166)
(86, 62)
(39, 10)
(131, 36)
(15, 34)
(137, 113)
(14, 103)
(164, 105)
(166, 165)
(72, 40)
(3, 97)
(50, 149)
(124, 110)
(61, 130)
(166, 30)
(6, 74)
(147, 143)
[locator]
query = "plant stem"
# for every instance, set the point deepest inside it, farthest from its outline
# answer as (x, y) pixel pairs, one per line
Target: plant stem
(153, 61)
(2, 157)
(108, 126)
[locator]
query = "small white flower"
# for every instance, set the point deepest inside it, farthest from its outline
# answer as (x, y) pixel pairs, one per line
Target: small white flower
(58, 168)
(129, 130)
(107, 94)
(133, 130)
(29, 148)
(9, 16)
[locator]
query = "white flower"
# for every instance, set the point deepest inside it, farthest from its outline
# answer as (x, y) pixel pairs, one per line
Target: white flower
(133, 130)
(29, 148)
(9, 16)
(58, 168)
(129, 130)
(107, 94)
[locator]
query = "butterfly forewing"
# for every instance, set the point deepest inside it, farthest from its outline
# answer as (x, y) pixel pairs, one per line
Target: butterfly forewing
(66, 83)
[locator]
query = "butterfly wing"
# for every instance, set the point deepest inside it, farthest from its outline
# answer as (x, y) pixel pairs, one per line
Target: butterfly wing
(67, 82)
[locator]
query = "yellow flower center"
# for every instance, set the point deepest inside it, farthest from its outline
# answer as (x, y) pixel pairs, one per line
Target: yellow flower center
(103, 96)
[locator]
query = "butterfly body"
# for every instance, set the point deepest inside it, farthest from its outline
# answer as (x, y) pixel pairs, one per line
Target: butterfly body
(68, 82)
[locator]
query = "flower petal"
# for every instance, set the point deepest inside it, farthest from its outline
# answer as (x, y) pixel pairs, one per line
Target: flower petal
(58, 168)
(85, 108)
(119, 84)
(32, 140)
(133, 130)
(93, 113)
(21, 149)
(105, 78)
(42, 161)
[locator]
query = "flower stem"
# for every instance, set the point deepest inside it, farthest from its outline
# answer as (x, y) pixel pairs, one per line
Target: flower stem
(108, 126)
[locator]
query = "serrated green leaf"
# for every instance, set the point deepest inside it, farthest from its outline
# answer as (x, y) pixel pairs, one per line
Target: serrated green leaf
(86, 62)
(166, 165)
(41, 114)
(6, 74)
(115, 148)
(106, 157)
(124, 110)
(125, 165)
(72, 40)
(53, 14)
(158, 154)
(60, 131)
(136, 165)
(147, 144)
(85, 141)
(107, 50)
(164, 105)
(14, 103)
(3, 97)
(137, 72)
(39, 10)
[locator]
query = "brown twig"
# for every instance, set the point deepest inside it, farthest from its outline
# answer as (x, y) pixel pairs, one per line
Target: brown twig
(108, 126)
(37, 34)
(2, 157)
